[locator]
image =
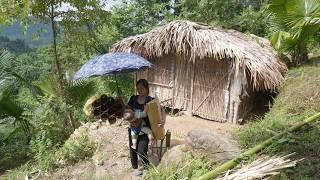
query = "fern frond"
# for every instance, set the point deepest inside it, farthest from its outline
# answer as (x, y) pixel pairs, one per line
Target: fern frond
(6, 59)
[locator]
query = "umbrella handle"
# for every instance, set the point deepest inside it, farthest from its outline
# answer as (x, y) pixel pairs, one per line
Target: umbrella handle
(117, 85)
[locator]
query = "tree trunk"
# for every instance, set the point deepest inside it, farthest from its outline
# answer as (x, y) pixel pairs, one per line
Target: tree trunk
(300, 55)
(57, 69)
(234, 162)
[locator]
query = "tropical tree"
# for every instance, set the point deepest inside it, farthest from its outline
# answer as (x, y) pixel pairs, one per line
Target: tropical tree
(13, 107)
(213, 12)
(216, 12)
(79, 19)
(295, 24)
(10, 109)
(138, 16)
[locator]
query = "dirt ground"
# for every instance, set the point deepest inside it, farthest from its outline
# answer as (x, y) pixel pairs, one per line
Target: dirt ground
(181, 125)
(111, 160)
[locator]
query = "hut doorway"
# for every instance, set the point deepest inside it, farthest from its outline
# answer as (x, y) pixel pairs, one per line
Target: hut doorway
(208, 94)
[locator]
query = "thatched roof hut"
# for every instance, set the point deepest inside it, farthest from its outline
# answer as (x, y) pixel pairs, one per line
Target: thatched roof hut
(208, 71)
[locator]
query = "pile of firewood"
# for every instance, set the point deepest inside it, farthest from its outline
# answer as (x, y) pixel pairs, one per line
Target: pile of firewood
(105, 108)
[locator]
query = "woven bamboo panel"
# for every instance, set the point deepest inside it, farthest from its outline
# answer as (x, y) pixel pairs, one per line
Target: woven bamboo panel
(160, 77)
(182, 91)
(209, 85)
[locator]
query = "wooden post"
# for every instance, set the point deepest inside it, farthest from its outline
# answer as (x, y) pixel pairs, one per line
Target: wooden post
(135, 82)
(227, 92)
(168, 139)
(174, 82)
(193, 67)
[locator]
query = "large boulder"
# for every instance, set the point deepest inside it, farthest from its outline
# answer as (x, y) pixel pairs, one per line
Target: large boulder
(174, 156)
(215, 146)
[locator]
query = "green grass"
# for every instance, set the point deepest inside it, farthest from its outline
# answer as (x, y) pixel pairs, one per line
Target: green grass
(298, 99)
(190, 167)
(75, 149)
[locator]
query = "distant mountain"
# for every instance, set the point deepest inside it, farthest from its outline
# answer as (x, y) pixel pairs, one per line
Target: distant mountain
(37, 34)
(16, 46)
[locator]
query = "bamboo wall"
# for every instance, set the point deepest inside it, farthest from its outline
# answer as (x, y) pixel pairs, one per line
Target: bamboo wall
(160, 77)
(182, 88)
(209, 85)
(207, 88)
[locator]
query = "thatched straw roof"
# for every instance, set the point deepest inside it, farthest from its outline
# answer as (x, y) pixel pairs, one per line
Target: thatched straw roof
(197, 41)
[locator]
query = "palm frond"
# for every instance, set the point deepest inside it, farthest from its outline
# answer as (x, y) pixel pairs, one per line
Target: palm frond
(47, 86)
(6, 63)
(6, 120)
(278, 9)
(6, 59)
(300, 20)
(8, 106)
(35, 91)
(13, 133)
(81, 92)
(302, 13)
(277, 39)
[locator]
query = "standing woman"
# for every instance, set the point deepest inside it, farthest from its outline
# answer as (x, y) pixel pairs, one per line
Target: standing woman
(137, 104)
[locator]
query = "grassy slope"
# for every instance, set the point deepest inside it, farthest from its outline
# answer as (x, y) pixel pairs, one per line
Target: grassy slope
(298, 99)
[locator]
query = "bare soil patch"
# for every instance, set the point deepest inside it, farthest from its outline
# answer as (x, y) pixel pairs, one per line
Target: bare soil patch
(111, 160)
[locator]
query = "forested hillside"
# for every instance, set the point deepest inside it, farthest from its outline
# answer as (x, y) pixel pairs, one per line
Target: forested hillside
(35, 34)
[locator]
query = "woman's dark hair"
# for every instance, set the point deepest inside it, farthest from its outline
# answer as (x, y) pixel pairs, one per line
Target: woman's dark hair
(144, 83)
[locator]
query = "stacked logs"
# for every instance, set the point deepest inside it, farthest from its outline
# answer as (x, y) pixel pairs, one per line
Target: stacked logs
(104, 107)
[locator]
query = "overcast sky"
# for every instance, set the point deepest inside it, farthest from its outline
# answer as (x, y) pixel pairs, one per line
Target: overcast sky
(108, 4)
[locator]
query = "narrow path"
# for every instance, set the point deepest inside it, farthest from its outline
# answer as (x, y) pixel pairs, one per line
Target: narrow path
(181, 125)
(111, 160)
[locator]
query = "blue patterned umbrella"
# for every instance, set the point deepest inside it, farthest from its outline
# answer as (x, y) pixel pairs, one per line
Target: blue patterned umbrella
(111, 63)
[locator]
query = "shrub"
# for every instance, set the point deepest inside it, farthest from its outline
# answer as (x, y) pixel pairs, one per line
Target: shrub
(76, 149)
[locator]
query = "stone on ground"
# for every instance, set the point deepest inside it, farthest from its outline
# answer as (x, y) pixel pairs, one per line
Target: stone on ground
(215, 146)
(174, 156)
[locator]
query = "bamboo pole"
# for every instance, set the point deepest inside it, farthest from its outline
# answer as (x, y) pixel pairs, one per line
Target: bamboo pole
(232, 163)
(135, 81)
(193, 66)
(174, 83)
(227, 93)
(159, 84)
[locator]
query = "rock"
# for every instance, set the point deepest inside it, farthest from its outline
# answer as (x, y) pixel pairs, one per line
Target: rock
(99, 159)
(100, 163)
(122, 154)
(94, 126)
(217, 147)
(114, 164)
(174, 156)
